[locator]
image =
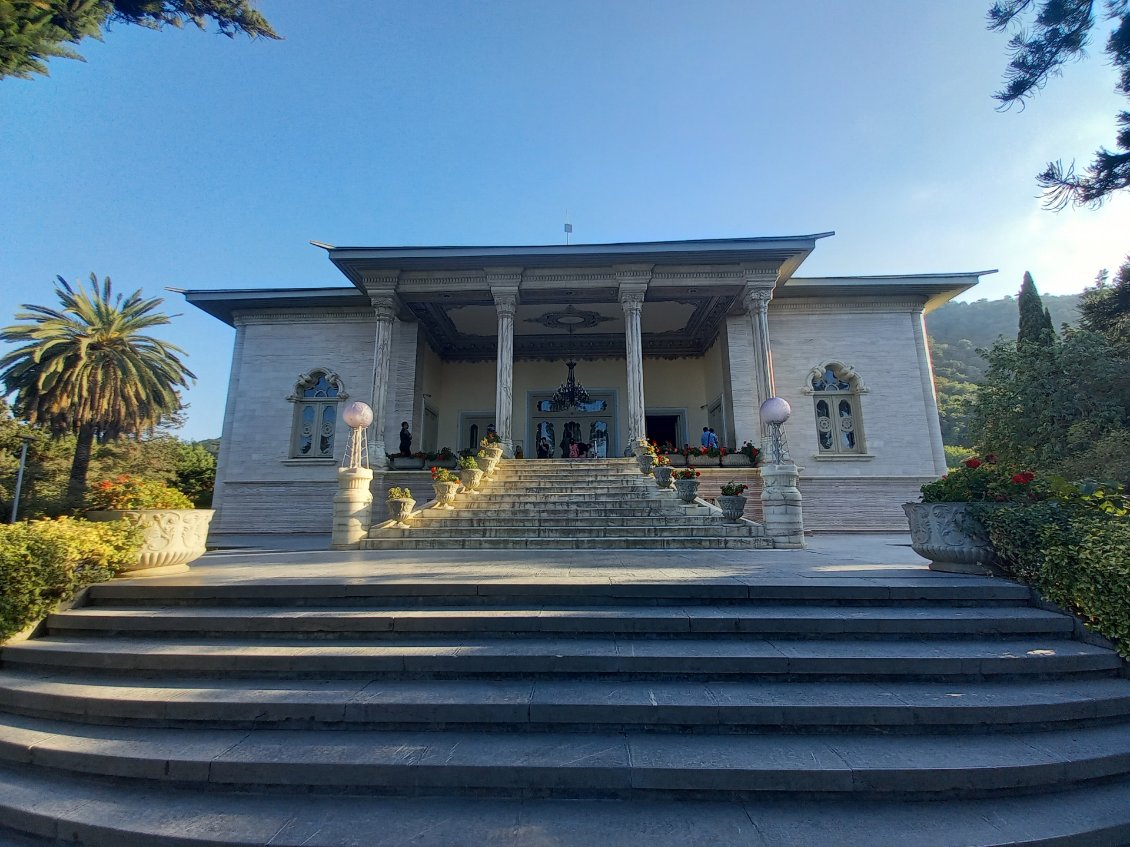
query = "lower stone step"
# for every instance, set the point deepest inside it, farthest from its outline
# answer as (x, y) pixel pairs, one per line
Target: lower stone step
(606, 543)
(588, 764)
(579, 532)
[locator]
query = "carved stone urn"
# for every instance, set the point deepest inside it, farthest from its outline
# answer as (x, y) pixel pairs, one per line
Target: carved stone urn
(733, 506)
(445, 493)
(951, 538)
(173, 537)
(664, 475)
(472, 478)
(399, 508)
(688, 489)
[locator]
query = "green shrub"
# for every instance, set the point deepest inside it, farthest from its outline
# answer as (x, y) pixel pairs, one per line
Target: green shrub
(1074, 548)
(44, 562)
(129, 492)
(956, 455)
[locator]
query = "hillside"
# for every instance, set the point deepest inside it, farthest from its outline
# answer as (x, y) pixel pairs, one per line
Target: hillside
(957, 330)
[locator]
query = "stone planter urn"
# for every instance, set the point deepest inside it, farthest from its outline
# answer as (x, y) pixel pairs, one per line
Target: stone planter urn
(688, 489)
(490, 465)
(733, 506)
(471, 479)
(399, 508)
(445, 493)
(173, 537)
(646, 462)
(664, 475)
(952, 539)
(493, 452)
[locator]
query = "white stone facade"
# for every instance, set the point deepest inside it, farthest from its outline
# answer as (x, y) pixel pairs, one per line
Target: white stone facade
(870, 329)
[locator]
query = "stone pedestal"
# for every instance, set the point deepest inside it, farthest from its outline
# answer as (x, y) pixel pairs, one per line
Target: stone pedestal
(353, 508)
(781, 505)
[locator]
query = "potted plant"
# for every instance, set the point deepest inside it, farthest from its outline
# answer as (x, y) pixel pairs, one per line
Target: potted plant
(663, 472)
(743, 457)
(175, 533)
(444, 458)
(646, 457)
(469, 473)
(414, 462)
(400, 505)
(492, 445)
(945, 527)
(686, 483)
(488, 461)
(445, 483)
(732, 501)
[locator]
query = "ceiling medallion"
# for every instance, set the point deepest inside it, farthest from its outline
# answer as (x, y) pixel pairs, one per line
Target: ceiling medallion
(570, 319)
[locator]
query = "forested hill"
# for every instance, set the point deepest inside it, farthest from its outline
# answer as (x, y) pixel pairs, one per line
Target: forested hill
(982, 321)
(956, 331)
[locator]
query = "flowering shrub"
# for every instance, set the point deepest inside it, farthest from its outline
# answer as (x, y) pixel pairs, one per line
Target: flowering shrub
(687, 473)
(734, 489)
(445, 454)
(661, 461)
(981, 480)
(395, 493)
(468, 463)
(444, 475)
(129, 492)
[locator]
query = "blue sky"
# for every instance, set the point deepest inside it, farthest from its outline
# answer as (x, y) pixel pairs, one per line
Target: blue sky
(189, 160)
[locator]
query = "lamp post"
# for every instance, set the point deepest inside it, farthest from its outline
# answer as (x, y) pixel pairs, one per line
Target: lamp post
(780, 497)
(353, 503)
(26, 439)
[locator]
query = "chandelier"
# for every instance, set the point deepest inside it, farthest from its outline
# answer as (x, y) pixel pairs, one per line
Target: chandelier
(571, 394)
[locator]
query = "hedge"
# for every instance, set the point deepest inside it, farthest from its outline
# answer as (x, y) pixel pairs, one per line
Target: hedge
(1074, 548)
(47, 561)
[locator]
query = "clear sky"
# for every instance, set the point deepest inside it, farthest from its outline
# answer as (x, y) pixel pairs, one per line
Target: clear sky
(189, 160)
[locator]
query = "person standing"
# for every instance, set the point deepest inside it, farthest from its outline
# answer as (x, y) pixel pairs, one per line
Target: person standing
(405, 439)
(705, 440)
(712, 442)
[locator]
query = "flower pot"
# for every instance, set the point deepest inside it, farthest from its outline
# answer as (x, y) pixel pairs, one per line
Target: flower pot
(173, 537)
(399, 508)
(735, 460)
(664, 475)
(733, 506)
(471, 479)
(406, 463)
(445, 493)
(646, 462)
(493, 452)
(688, 489)
(490, 465)
(444, 463)
(952, 539)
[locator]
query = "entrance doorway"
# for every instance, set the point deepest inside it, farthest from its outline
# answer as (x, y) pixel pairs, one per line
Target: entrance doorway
(663, 429)
(590, 424)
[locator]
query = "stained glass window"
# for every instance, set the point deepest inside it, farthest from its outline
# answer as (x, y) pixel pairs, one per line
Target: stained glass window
(836, 397)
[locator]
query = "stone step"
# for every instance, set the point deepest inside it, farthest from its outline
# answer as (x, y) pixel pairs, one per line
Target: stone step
(65, 808)
(574, 705)
(623, 656)
(463, 520)
(423, 542)
(644, 529)
(665, 621)
(957, 591)
(591, 764)
(565, 513)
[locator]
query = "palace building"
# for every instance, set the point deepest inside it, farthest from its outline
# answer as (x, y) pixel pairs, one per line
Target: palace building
(658, 339)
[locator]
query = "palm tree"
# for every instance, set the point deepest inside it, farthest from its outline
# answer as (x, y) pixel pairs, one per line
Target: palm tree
(86, 367)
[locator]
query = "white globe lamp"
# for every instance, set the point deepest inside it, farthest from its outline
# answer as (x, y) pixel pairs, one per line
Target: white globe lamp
(357, 416)
(774, 412)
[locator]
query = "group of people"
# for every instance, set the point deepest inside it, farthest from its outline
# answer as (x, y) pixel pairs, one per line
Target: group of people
(709, 439)
(571, 448)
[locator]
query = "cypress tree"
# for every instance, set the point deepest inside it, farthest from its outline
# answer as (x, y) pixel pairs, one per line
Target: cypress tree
(1035, 320)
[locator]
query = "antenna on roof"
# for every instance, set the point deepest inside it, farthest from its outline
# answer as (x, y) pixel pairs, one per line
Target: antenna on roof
(568, 227)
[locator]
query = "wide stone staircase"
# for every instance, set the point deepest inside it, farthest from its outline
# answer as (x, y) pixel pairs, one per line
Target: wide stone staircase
(546, 711)
(556, 504)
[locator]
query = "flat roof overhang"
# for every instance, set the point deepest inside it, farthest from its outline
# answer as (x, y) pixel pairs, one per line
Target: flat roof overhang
(787, 252)
(224, 303)
(934, 289)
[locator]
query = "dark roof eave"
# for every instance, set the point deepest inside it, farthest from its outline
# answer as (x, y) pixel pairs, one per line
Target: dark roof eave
(224, 303)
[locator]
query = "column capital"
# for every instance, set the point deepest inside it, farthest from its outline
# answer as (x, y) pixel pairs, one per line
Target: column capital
(631, 296)
(384, 304)
(756, 300)
(505, 303)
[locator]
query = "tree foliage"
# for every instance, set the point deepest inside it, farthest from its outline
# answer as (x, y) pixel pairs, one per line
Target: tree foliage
(88, 367)
(1035, 321)
(32, 31)
(1058, 32)
(1105, 308)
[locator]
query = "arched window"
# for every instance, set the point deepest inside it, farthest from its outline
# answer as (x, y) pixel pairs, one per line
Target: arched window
(835, 390)
(316, 398)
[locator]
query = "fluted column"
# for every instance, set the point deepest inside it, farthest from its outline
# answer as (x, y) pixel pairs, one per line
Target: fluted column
(757, 304)
(505, 303)
(631, 299)
(384, 310)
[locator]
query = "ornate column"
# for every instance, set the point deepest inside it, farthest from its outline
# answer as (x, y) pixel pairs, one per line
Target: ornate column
(505, 303)
(633, 287)
(757, 297)
(384, 310)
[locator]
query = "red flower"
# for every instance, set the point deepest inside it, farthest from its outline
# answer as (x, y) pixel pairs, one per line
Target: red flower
(1023, 478)
(972, 463)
